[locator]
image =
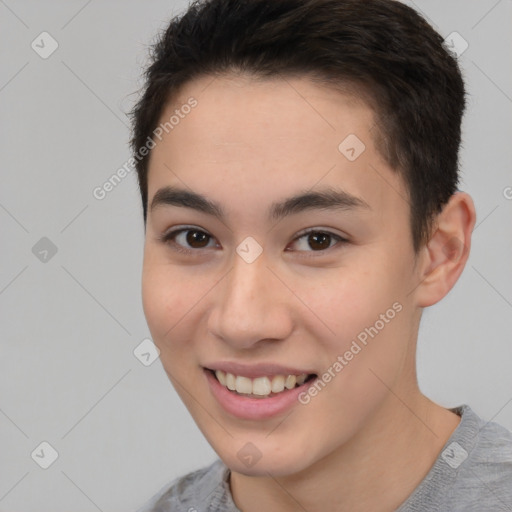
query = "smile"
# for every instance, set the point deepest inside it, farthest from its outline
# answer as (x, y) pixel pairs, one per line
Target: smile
(259, 391)
(261, 386)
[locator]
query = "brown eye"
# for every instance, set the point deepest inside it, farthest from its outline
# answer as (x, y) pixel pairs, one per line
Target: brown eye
(187, 240)
(318, 241)
(197, 239)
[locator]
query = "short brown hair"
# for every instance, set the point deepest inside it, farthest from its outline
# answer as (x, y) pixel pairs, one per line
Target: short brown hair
(383, 46)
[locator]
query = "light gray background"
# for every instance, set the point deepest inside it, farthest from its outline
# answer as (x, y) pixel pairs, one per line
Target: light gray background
(68, 374)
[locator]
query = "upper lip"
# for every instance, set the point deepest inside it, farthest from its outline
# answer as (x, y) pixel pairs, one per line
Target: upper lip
(256, 370)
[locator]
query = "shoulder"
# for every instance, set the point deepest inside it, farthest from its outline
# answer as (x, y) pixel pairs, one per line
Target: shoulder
(490, 457)
(194, 492)
(472, 473)
(480, 458)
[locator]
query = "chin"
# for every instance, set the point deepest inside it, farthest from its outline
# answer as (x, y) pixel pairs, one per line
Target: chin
(275, 468)
(263, 459)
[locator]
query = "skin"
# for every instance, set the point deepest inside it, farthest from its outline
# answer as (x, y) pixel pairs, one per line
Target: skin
(370, 436)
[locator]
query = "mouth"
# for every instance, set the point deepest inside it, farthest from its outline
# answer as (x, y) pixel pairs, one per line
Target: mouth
(260, 387)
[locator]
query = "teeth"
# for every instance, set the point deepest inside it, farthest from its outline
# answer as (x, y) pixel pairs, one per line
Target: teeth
(261, 386)
(243, 385)
(301, 379)
(221, 377)
(278, 384)
(230, 381)
(290, 382)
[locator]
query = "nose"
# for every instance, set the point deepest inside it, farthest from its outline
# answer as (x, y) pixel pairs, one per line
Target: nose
(251, 306)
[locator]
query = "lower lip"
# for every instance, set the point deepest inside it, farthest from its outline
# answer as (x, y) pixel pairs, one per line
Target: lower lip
(254, 408)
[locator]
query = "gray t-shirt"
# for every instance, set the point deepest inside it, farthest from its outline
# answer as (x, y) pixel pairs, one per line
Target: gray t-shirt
(473, 473)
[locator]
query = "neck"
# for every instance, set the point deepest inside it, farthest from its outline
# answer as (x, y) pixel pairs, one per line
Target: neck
(376, 470)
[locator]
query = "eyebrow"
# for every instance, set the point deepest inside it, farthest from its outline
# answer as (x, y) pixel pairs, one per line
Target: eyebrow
(327, 198)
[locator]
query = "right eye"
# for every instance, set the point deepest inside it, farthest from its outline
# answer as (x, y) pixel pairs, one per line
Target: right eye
(187, 240)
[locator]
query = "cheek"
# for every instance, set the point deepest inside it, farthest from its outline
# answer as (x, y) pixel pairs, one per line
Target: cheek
(364, 311)
(373, 345)
(175, 300)
(166, 298)
(349, 300)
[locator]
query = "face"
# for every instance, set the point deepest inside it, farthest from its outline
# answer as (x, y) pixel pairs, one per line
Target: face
(249, 281)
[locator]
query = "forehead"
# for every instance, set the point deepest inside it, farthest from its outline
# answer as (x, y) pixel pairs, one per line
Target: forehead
(241, 113)
(264, 138)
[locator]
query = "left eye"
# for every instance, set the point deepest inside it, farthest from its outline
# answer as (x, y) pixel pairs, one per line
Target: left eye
(317, 241)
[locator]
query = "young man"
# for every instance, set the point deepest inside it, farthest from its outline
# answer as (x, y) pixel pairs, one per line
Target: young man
(298, 165)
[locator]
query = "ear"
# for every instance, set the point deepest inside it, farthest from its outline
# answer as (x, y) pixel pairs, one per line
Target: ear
(444, 257)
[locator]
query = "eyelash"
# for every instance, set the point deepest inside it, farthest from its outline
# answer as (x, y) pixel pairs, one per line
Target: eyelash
(167, 238)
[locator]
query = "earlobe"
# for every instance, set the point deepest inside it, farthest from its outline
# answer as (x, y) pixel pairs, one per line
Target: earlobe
(447, 251)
